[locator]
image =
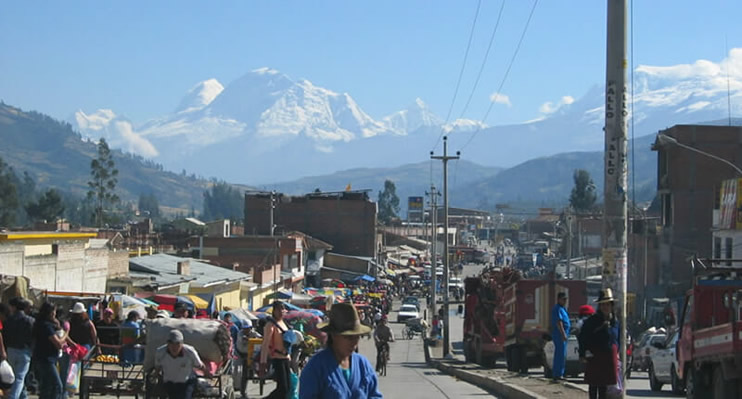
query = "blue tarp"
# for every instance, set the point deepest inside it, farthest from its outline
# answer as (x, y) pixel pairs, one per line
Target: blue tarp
(365, 277)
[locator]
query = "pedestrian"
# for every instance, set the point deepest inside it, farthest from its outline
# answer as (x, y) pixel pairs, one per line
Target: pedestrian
(107, 333)
(242, 351)
(180, 311)
(338, 372)
(598, 348)
(583, 314)
(560, 327)
(47, 344)
(232, 327)
(176, 361)
(130, 334)
(18, 338)
(276, 349)
(82, 330)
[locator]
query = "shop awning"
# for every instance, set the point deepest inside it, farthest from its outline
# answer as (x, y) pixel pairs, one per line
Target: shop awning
(365, 277)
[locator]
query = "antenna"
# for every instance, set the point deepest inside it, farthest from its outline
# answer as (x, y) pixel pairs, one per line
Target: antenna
(729, 93)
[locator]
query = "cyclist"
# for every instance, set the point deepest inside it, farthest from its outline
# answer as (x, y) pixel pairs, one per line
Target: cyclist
(382, 336)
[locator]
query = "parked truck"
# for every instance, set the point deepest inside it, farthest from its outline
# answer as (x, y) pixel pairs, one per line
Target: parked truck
(527, 306)
(709, 349)
(507, 316)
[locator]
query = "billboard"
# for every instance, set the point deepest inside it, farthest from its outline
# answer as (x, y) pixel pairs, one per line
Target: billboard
(415, 209)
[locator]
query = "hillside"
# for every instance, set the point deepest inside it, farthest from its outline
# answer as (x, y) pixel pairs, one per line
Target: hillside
(549, 179)
(55, 156)
(410, 180)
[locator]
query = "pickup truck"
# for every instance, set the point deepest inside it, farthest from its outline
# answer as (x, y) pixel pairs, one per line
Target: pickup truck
(663, 365)
(574, 366)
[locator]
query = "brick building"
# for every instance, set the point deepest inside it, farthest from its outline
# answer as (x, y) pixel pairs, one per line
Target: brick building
(688, 185)
(347, 220)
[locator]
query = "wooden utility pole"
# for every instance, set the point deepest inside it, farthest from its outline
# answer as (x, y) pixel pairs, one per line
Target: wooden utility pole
(616, 182)
(445, 158)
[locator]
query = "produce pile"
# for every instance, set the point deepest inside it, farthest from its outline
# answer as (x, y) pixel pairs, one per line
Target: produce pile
(107, 359)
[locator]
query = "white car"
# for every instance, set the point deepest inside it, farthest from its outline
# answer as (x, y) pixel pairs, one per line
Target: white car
(406, 312)
(663, 365)
(573, 367)
(644, 350)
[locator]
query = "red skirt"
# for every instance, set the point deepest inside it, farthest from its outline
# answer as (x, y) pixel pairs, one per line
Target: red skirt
(602, 368)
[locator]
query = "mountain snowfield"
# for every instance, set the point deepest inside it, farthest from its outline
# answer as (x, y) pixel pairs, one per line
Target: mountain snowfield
(266, 127)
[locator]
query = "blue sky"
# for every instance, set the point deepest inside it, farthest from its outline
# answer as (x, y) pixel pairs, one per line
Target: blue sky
(140, 57)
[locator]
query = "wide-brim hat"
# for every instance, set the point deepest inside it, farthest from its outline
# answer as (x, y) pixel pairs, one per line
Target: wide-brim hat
(606, 295)
(344, 320)
(78, 308)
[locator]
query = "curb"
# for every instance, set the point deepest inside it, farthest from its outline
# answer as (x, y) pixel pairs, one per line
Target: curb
(491, 384)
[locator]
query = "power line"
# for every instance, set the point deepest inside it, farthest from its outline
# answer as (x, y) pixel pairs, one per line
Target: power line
(507, 72)
(484, 61)
(461, 74)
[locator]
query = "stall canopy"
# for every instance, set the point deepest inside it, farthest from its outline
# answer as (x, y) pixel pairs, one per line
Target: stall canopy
(365, 277)
(281, 294)
(198, 302)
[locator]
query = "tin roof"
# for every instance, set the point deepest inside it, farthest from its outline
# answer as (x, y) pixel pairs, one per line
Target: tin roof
(164, 269)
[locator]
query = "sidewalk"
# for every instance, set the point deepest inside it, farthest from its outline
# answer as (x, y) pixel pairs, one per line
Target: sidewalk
(502, 382)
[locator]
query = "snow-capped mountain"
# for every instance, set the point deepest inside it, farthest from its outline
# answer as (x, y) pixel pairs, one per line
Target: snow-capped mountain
(266, 126)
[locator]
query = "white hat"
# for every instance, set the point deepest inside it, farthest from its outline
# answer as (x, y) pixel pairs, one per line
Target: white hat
(78, 308)
(162, 314)
(246, 323)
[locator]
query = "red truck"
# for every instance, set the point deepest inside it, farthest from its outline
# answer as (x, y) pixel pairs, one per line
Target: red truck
(709, 349)
(527, 307)
(505, 315)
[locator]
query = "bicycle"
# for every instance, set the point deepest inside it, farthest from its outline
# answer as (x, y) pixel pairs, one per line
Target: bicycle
(381, 356)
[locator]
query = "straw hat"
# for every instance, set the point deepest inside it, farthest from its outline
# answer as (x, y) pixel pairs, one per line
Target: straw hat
(78, 308)
(606, 295)
(344, 320)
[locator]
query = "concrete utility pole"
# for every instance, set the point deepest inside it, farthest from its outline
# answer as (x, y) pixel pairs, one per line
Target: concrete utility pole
(569, 241)
(273, 209)
(434, 234)
(445, 158)
(616, 182)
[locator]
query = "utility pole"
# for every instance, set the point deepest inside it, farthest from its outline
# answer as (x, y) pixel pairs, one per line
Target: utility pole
(273, 209)
(445, 158)
(569, 241)
(616, 182)
(434, 237)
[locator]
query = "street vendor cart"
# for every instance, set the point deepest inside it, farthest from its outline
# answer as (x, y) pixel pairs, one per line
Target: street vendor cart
(106, 374)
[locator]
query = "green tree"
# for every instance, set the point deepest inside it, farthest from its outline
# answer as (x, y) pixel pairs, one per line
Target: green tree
(103, 181)
(149, 205)
(388, 202)
(223, 202)
(48, 207)
(8, 195)
(583, 197)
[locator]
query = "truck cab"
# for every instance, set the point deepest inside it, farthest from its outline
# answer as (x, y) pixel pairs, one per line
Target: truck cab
(709, 347)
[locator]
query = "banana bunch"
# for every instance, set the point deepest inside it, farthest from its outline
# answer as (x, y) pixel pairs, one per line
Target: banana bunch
(107, 359)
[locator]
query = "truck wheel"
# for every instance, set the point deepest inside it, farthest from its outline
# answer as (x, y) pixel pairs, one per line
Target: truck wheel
(522, 360)
(690, 383)
(675, 383)
(723, 389)
(654, 383)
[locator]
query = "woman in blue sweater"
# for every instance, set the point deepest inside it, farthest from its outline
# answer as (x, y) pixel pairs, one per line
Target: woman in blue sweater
(338, 372)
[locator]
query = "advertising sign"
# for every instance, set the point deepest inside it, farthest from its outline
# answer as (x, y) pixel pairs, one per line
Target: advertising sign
(415, 209)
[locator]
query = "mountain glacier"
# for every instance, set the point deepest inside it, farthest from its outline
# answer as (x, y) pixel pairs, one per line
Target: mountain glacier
(265, 126)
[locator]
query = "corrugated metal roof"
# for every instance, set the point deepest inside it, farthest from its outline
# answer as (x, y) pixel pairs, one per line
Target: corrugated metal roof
(164, 268)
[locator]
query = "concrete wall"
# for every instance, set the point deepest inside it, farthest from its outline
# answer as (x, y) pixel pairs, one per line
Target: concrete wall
(118, 264)
(70, 267)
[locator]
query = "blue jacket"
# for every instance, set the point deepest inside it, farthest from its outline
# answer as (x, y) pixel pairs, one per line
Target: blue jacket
(559, 313)
(322, 378)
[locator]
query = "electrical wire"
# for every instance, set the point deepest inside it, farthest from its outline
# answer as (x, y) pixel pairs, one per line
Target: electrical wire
(461, 74)
(484, 61)
(507, 72)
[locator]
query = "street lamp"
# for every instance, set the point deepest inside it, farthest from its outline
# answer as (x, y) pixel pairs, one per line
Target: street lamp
(664, 139)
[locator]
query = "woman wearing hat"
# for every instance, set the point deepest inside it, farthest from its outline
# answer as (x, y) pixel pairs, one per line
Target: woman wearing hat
(598, 341)
(338, 371)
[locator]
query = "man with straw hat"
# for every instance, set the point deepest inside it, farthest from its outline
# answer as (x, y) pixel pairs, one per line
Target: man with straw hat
(338, 371)
(599, 344)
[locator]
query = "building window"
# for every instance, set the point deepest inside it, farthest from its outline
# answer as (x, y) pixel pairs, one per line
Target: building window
(667, 209)
(729, 249)
(717, 247)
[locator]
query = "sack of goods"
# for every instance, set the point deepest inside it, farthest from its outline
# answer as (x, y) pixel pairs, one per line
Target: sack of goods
(210, 338)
